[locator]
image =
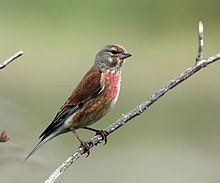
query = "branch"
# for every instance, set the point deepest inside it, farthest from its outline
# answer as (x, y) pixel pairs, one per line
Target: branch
(140, 108)
(200, 47)
(9, 60)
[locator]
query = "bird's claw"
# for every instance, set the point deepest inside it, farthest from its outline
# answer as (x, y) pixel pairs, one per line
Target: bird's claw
(86, 147)
(103, 134)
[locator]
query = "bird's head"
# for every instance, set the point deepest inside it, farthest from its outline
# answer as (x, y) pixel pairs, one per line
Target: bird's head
(111, 57)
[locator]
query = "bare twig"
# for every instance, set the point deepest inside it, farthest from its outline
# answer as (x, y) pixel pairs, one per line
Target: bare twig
(137, 110)
(200, 38)
(9, 60)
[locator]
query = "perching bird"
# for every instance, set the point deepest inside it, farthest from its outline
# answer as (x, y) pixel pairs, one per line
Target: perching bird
(94, 96)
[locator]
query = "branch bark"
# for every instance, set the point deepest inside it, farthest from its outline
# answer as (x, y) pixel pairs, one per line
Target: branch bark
(12, 58)
(200, 63)
(200, 47)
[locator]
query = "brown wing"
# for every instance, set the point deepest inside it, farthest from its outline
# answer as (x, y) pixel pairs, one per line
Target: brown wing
(89, 87)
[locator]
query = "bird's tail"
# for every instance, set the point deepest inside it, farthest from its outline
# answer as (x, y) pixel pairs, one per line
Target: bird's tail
(41, 143)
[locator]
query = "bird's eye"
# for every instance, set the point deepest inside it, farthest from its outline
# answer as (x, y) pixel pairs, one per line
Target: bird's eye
(114, 52)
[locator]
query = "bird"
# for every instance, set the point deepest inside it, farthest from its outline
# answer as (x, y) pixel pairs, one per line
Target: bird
(93, 97)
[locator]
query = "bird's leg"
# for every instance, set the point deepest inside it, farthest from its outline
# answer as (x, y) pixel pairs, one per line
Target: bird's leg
(102, 133)
(85, 145)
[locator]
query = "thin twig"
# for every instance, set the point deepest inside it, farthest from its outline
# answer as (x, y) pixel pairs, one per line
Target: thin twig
(135, 112)
(200, 38)
(9, 60)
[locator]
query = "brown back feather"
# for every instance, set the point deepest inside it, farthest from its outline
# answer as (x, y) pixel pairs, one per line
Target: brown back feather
(89, 87)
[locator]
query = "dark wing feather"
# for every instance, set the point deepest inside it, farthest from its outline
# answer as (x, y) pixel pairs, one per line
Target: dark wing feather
(59, 119)
(89, 87)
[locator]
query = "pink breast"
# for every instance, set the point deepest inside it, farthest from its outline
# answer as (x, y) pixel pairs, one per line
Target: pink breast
(113, 85)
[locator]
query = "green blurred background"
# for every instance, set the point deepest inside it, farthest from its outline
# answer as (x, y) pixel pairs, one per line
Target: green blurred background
(175, 141)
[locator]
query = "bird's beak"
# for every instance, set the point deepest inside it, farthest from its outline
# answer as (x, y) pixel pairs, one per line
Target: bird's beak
(125, 55)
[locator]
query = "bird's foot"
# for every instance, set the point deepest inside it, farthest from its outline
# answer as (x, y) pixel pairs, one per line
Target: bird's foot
(103, 134)
(86, 147)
